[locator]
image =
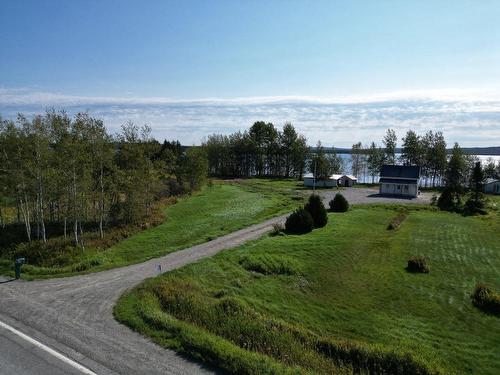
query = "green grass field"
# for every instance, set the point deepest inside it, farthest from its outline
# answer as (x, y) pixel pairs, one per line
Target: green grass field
(218, 209)
(275, 304)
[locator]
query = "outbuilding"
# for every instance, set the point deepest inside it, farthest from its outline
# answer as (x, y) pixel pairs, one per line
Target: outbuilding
(347, 180)
(332, 181)
(309, 181)
(399, 180)
(492, 186)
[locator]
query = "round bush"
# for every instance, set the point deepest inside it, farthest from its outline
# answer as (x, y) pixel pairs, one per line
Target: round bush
(486, 299)
(339, 203)
(317, 210)
(417, 264)
(475, 206)
(299, 222)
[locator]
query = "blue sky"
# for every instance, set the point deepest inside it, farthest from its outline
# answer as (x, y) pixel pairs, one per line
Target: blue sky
(342, 71)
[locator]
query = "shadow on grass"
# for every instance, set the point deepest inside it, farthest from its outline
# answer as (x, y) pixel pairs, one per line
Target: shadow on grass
(378, 195)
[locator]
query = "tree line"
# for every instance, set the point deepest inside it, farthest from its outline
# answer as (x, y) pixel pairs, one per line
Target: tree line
(262, 151)
(267, 151)
(70, 173)
(464, 185)
(429, 151)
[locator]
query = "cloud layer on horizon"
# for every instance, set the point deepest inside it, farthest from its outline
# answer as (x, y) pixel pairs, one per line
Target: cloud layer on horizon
(468, 117)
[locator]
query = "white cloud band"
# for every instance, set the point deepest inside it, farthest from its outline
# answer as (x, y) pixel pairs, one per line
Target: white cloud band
(469, 117)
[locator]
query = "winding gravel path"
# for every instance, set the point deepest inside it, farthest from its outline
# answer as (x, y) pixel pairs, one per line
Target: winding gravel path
(74, 315)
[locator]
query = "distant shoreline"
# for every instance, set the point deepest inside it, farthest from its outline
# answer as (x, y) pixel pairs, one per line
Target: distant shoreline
(485, 151)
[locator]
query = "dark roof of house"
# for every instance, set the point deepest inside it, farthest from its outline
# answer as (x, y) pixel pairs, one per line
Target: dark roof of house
(400, 171)
(397, 181)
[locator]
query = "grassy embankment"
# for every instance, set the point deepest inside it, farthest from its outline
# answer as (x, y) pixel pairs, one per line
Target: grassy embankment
(216, 210)
(337, 299)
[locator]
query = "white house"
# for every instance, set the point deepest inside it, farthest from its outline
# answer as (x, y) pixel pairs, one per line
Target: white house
(399, 180)
(492, 186)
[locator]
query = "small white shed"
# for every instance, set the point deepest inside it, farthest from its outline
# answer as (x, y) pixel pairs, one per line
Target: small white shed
(309, 181)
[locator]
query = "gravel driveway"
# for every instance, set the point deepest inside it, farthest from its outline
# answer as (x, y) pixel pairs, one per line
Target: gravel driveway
(74, 315)
(359, 195)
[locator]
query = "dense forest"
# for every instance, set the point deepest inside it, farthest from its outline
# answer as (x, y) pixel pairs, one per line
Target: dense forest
(66, 176)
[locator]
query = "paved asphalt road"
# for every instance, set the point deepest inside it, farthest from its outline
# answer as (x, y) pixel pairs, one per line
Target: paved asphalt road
(74, 315)
(17, 356)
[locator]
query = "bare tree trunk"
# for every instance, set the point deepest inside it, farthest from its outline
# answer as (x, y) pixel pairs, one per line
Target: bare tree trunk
(40, 216)
(75, 229)
(37, 219)
(75, 226)
(81, 236)
(26, 217)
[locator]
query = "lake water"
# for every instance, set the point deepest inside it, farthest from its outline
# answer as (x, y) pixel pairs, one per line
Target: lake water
(365, 177)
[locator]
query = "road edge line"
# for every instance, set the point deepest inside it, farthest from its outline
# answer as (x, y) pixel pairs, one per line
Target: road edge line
(51, 351)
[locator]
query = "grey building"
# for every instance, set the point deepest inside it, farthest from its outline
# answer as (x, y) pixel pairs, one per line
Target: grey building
(399, 180)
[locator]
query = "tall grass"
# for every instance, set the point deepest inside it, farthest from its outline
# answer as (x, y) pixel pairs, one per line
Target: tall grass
(252, 343)
(339, 299)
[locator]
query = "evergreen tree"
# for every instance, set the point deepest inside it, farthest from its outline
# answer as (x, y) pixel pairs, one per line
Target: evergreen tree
(317, 210)
(450, 199)
(476, 202)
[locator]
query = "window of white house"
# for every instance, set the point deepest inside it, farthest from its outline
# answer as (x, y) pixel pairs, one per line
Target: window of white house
(399, 187)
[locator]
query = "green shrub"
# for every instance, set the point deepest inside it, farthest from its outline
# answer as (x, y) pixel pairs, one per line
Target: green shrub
(449, 201)
(269, 265)
(299, 222)
(417, 264)
(339, 203)
(475, 206)
(397, 221)
(317, 210)
(486, 299)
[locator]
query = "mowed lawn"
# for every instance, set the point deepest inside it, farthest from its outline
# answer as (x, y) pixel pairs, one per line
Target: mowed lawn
(216, 210)
(346, 281)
